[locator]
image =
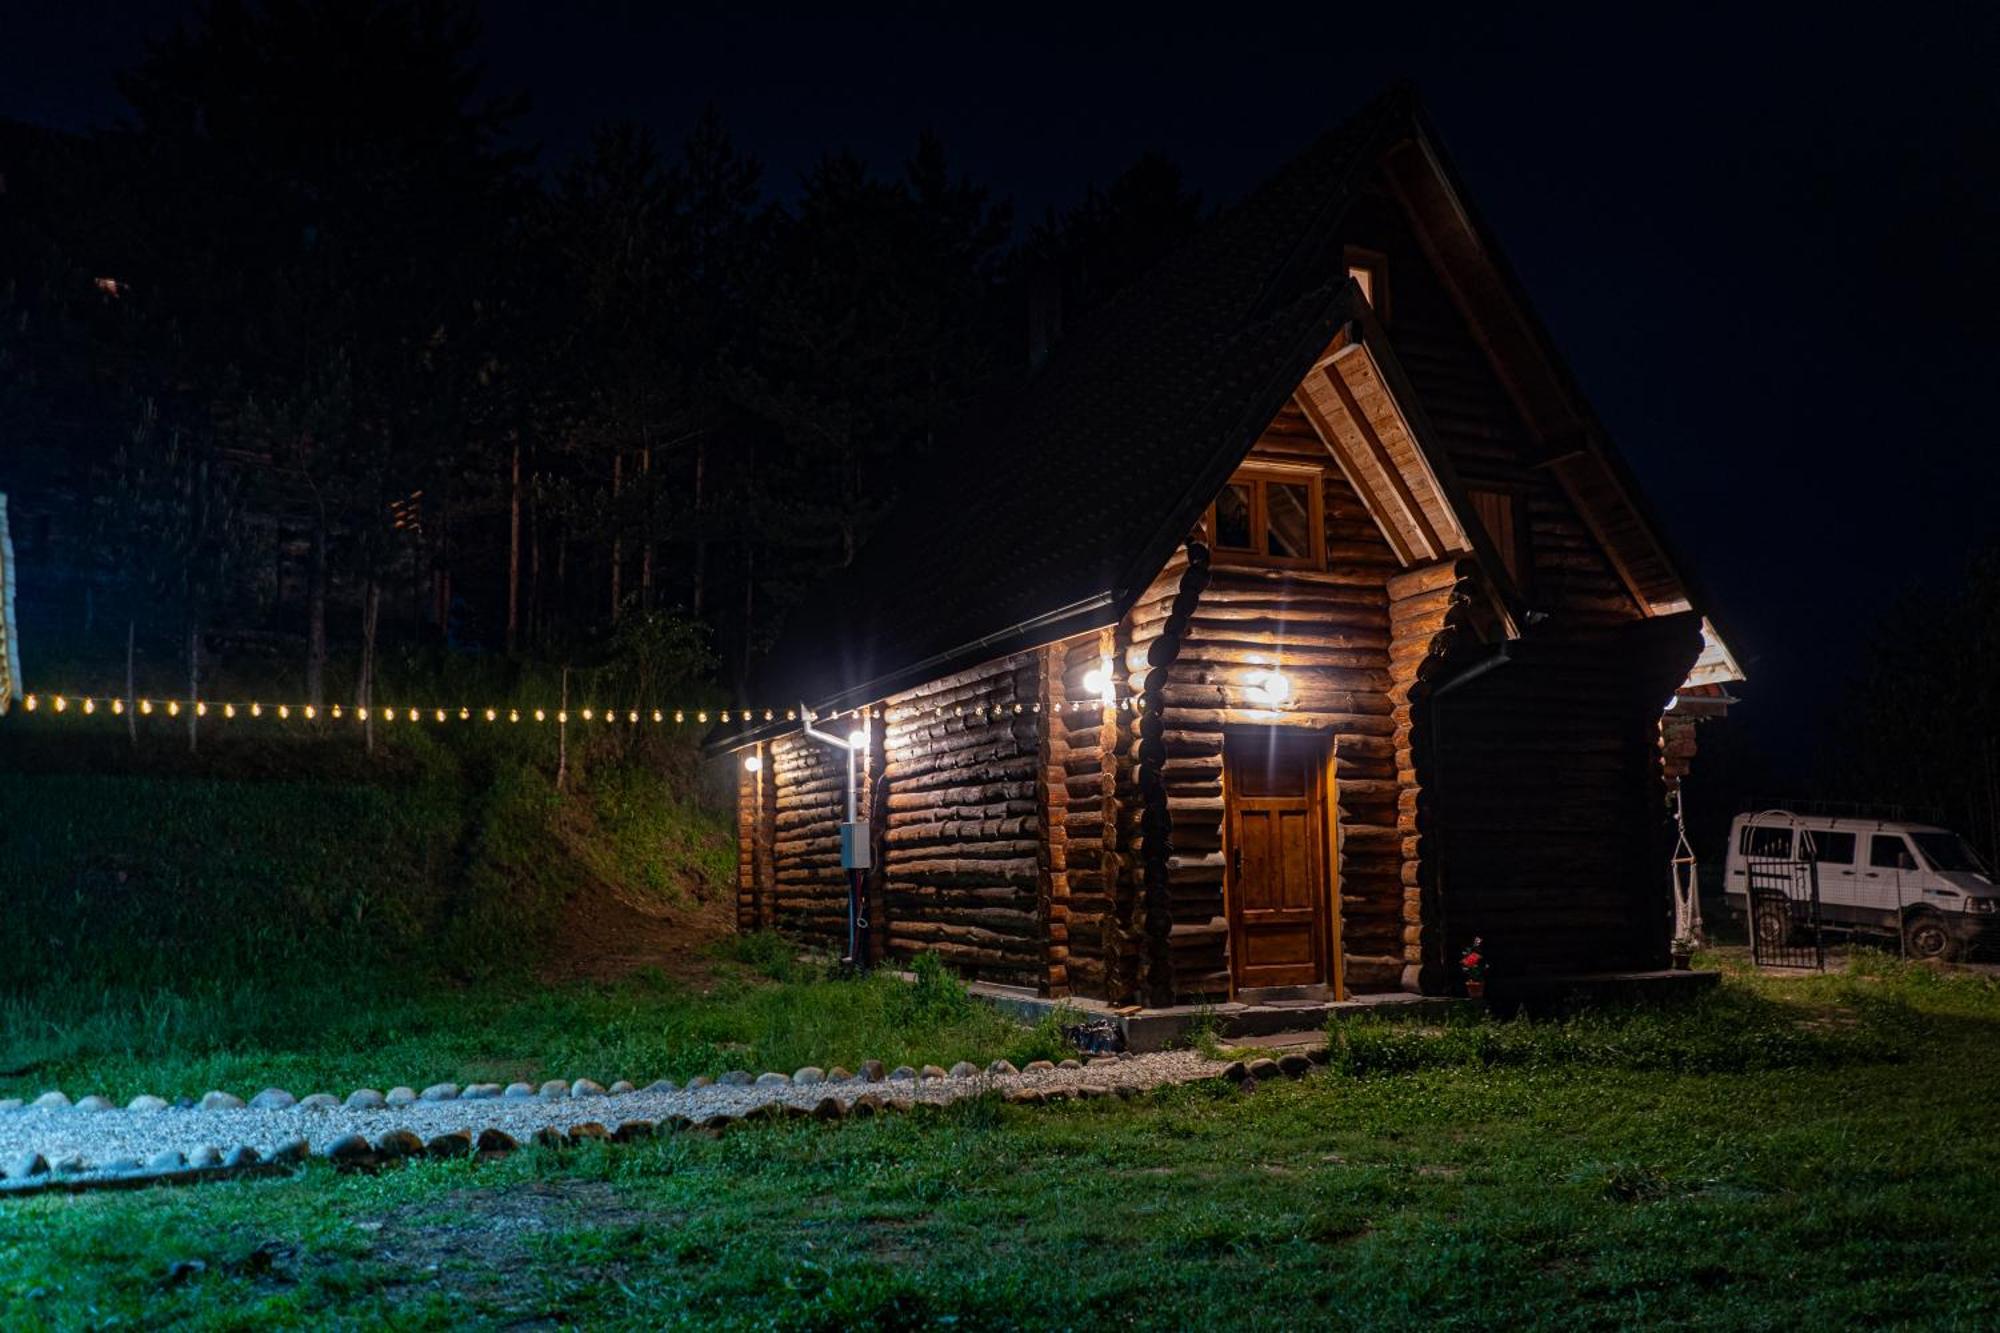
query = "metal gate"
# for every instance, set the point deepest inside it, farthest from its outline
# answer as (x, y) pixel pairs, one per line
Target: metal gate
(1783, 886)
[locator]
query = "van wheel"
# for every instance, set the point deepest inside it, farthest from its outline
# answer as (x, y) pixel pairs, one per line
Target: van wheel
(1925, 935)
(1774, 925)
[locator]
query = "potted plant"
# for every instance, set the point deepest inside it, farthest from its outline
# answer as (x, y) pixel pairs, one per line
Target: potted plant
(1472, 964)
(1682, 951)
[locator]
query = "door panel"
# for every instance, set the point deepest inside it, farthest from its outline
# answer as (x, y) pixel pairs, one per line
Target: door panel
(1278, 894)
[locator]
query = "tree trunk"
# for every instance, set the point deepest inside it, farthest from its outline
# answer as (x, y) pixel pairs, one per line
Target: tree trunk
(562, 733)
(194, 686)
(700, 532)
(514, 551)
(316, 617)
(131, 692)
(617, 530)
(364, 686)
(646, 535)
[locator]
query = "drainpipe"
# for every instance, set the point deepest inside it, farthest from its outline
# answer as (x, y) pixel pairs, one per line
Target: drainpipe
(854, 846)
(1501, 656)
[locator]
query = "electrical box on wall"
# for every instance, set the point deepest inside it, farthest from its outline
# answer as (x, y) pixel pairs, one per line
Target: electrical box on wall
(854, 848)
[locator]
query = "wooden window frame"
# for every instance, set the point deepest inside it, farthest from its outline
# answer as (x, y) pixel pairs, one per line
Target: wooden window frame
(1257, 479)
(1520, 561)
(1377, 265)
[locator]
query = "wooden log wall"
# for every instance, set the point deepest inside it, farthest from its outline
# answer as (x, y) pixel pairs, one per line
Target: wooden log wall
(1430, 610)
(755, 814)
(808, 895)
(1329, 631)
(962, 808)
(1555, 850)
(1087, 745)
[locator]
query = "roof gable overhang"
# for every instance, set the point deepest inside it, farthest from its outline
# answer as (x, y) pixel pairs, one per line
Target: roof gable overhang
(1573, 444)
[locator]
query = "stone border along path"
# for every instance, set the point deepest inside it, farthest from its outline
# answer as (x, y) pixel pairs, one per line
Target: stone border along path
(54, 1144)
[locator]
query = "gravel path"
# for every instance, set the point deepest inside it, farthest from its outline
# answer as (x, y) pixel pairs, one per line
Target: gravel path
(76, 1142)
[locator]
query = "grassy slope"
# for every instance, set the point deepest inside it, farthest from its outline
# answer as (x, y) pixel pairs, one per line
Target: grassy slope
(1818, 1153)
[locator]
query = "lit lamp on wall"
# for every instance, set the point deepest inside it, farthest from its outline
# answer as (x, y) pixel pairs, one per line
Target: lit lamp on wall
(1100, 681)
(753, 762)
(1269, 688)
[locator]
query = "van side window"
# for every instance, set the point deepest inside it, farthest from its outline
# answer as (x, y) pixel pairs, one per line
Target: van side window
(1830, 848)
(1772, 844)
(1889, 852)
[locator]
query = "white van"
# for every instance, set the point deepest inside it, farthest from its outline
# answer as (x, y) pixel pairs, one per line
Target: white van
(1874, 876)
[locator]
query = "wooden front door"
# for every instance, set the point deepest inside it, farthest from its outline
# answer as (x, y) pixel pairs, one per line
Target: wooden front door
(1279, 899)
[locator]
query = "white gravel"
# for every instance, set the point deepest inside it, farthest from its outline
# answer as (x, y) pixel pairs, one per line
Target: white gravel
(102, 1137)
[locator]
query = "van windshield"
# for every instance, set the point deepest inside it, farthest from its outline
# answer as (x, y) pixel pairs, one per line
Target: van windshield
(1948, 852)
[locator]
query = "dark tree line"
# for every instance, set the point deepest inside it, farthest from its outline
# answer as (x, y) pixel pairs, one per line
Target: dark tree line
(304, 372)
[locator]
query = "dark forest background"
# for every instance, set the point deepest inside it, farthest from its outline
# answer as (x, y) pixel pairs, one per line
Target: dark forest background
(311, 387)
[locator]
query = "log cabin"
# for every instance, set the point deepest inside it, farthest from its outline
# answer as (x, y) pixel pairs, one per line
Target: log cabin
(1294, 624)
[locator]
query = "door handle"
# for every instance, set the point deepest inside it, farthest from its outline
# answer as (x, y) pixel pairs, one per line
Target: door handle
(1236, 862)
(1871, 874)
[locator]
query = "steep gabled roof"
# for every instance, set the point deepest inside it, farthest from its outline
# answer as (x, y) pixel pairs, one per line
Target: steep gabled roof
(1050, 516)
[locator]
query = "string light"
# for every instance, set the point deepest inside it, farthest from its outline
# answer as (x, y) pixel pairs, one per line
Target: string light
(1267, 687)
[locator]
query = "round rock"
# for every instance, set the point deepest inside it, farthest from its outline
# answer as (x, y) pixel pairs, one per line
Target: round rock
(365, 1099)
(440, 1092)
(52, 1101)
(27, 1165)
(902, 1074)
(319, 1101)
(518, 1091)
(700, 1081)
(350, 1148)
(120, 1166)
(206, 1156)
(242, 1155)
(631, 1131)
(660, 1085)
(735, 1078)
(839, 1075)
(497, 1141)
(874, 1070)
(291, 1150)
(452, 1143)
(553, 1089)
(809, 1075)
(96, 1103)
(274, 1099)
(1002, 1067)
(933, 1071)
(965, 1069)
(620, 1088)
(399, 1143)
(773, 1079)
(480, 1092)
(1041, 1067)
(589, 1132)
(1070, 1064)
(400, 1096)
(171, 1160)
(221, 1101)
(584, 1087)
(10, 1103)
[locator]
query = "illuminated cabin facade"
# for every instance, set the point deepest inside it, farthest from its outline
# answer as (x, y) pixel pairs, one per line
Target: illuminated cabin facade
(1294, 625)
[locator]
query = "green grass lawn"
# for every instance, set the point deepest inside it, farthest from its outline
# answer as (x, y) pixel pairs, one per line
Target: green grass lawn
(755, 1009)
(1781, 1155)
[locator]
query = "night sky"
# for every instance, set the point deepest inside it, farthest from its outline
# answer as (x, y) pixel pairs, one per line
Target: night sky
(1767, 246)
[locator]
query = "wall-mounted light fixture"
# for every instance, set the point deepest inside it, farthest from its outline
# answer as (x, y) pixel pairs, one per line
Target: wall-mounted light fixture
(1101, 681)
(752, 762)
(1269, 688)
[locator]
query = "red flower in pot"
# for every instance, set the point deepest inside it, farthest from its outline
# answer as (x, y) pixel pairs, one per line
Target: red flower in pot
(1472, 963)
